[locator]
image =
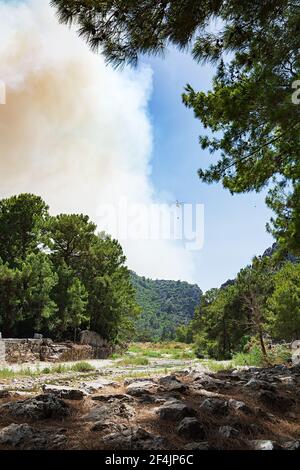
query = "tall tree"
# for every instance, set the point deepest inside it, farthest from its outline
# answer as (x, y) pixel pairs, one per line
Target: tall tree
(37, 306)
(284, 303)
(22, 219)
(255, 285)
(10, 299)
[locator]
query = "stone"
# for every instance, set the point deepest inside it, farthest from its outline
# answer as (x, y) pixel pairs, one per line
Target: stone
(292, 445)
(264, 445)
(171, 383)
(140, 388)
(175, 411)
(108, 426)
(215, 406)
(228, 432)
(239, 406)
(103, 412)
(95, 385)
(295, 346)
(275, 400)
(23, 436)
(67, 393)
(204, 445)
(37, 336)
(40, 407)
(135, 438)
(113, 397)
(191, 428)
(255, 384)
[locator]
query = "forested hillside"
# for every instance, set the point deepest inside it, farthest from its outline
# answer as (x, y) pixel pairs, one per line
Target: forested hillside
(165, 305)
(260, 306)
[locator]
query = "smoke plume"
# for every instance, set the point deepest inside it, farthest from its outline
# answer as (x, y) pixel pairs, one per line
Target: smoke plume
(74, 130)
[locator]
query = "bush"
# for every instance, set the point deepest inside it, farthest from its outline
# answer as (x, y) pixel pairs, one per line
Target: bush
(82, 367)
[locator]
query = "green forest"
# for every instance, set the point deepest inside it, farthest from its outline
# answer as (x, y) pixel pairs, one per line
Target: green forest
(164, 306)
(260, 307)
(57, 275)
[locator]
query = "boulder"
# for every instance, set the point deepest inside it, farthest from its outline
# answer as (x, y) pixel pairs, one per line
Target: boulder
(204, 445)
(256, 384)
(99, 384)
(191, 428)
(175, 411)
(23, 436)
(239, 406)
(113, 397)
(292, 445)
(40, 407)
(135, 438)
(68, 393)
(172, 384)
(295, 346)
(108, 426)
(140, 388)
(228, 432)
(103, 412)
(264, 445)
(215, 406)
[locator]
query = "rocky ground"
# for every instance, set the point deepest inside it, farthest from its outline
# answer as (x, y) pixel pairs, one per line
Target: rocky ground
(190, 409)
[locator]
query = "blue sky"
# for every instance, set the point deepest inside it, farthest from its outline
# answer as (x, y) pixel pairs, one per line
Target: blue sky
(234, 225)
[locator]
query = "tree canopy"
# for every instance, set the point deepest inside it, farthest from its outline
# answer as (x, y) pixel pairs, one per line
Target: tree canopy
(58, 275)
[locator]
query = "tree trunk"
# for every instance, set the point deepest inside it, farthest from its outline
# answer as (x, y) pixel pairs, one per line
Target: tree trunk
(262, 346)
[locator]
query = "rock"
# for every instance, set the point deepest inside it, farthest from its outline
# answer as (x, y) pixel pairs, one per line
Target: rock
(23, 436)
(40, 407)
(255, 384)
(215, 406)
(4, 394)
(135, 438)
(197, 446)
(151, 399)
(190, 428)
(172, 384)
(228, 432)
(264, 445)
(101, 426)
(209, 382)
(15, 434)
(288, 380)
(239, 406)
(95, 385)
(295, 346)
(175, 411)
(292, 445)
(140, 388)
(102, 412)
(275, 400)
(113, 397)
(67, 393)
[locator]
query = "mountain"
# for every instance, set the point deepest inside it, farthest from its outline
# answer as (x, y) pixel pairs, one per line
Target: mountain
(165, 305)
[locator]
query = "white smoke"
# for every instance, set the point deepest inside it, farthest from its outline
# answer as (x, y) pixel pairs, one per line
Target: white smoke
(74, 130)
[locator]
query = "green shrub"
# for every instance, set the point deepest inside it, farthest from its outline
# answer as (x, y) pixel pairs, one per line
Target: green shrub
(82, 367)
